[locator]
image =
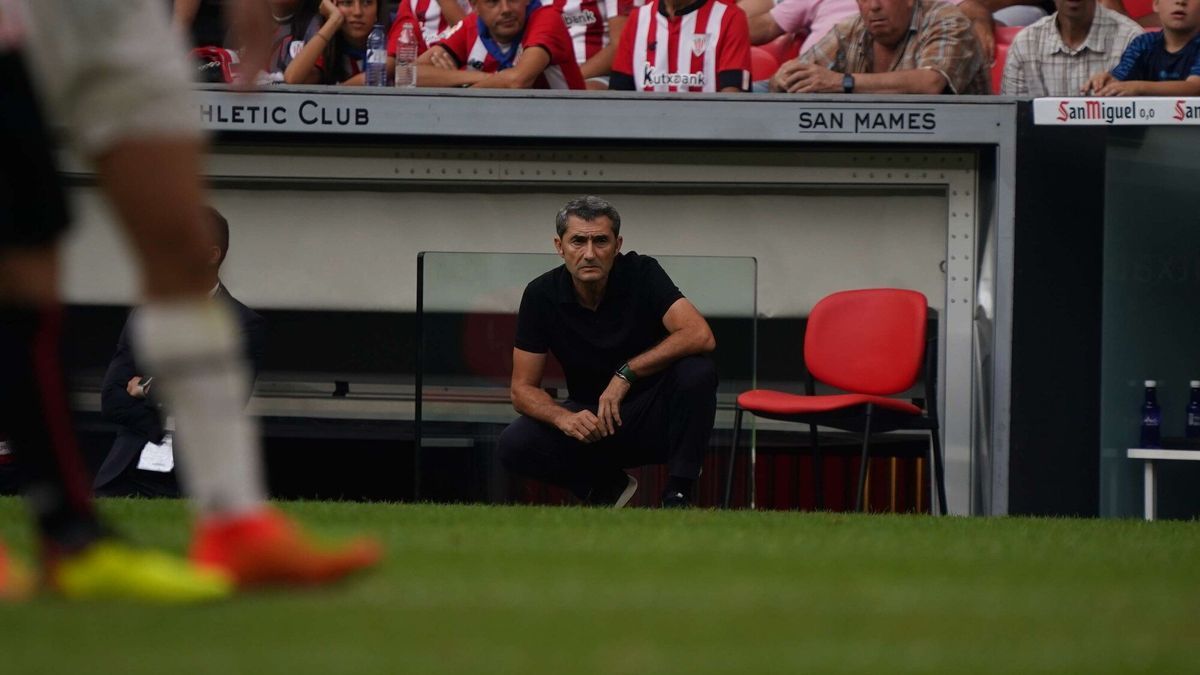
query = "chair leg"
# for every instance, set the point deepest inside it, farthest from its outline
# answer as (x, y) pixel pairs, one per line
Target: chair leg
(737, 428)
(814, 440)
(939, 474)
(866, 458)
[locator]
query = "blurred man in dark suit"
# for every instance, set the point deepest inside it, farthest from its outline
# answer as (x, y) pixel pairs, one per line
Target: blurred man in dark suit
(141, 462)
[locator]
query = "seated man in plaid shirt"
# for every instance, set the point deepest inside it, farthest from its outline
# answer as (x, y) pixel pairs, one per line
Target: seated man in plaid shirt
(1056, 55)
(892, 47)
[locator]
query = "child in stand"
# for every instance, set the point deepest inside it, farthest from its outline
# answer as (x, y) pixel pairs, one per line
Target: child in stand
(336, 53)
(1164, 63)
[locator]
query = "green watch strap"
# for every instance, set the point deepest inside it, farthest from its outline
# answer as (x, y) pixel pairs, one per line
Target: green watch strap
(626, 373)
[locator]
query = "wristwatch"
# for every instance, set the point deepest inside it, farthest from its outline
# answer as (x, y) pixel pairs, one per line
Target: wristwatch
(847, 83)
(626, 373)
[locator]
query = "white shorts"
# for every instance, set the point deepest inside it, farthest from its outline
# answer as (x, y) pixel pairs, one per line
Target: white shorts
(108, 70)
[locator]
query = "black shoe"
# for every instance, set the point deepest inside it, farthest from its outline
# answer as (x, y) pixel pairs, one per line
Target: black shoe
(675, 500)
(615, 493)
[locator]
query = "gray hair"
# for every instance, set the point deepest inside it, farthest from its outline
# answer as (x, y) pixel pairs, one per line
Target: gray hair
(587, 208)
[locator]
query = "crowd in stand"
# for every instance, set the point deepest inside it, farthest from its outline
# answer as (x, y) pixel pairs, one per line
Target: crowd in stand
(1063, 48)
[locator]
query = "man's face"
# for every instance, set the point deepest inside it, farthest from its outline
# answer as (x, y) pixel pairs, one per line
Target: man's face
(588, 248)
(504, 18)
(1076, 10)
(887, 20)
(1180, 15)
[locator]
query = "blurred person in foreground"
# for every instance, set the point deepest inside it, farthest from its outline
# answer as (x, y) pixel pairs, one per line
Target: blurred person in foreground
(892, 47)
(1056, 55)
(1164, 63)
(141, 462)
(635, 353)
(508, 44)
(129, 110)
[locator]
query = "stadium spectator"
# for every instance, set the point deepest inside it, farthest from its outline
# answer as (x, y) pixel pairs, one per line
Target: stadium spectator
(892, 47)
(335, 53)
(813, 19)
(138, 125)
(642, 389)
(713, 52)
(595, 27)
(1056, 55)
(296, 23)
(134, 466)
(433, 17)
(1165, 63)
(511, 44)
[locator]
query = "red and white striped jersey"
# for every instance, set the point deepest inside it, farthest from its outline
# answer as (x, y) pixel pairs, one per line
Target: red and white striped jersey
(545, 29)
(429, 17)
(705, 47)
(587, 22)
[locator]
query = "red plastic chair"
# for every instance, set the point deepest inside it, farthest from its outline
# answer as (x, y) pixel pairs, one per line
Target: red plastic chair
(1139, 8)
(762, 64)
(1004, 39)
(785, 47)
(870, 343)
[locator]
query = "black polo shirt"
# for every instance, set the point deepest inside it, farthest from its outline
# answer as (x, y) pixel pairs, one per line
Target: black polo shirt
(592, 345)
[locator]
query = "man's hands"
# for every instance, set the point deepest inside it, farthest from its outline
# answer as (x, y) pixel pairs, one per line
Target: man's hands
(590, 427)
(441, 58)
(1096, 83)
(582, 426)
(134, 387)
(609, 410)
(795, 77)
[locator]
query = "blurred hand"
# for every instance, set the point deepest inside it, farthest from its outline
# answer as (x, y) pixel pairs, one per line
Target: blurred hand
(134, 387)
(442, 59)
(582, 426)
(810, 78)
(609, 410)
(1097, 82)
(252, 27)
(1118, 88)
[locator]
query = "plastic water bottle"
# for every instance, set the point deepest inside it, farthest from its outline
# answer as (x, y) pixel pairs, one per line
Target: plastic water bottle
(1151, 417)
(1192, 429)
(406, 57)
(376, 66)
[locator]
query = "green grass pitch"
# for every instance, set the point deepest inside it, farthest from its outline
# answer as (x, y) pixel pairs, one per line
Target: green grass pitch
(475, 589)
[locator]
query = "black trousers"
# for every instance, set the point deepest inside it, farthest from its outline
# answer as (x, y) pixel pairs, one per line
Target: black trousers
(669, 422)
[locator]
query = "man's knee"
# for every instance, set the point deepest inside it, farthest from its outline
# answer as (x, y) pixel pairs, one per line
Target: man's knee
(695, 374)
(516, 442)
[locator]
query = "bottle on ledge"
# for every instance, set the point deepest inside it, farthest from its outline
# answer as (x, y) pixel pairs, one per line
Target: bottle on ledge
(406, 56)
(1192, 429)
(376, 65)
(1151, 418)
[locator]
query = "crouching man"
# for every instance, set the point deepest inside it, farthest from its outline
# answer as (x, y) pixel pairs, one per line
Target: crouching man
(642, 390)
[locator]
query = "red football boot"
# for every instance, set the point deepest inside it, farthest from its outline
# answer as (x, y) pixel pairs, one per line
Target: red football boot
(268, 548)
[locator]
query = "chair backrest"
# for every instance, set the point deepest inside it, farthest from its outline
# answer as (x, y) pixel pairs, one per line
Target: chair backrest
(869, 341)
(1139, 8)
(763, 64)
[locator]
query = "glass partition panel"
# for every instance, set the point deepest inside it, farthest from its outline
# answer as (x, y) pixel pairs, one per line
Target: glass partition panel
(466, 320)
(1150, 318)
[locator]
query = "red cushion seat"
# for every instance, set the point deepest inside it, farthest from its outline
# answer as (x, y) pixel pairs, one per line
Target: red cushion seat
(782, 403)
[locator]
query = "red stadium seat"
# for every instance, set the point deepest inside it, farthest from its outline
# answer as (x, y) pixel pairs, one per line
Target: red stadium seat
(1004, 38)
(870, 343)
(762, 64)
(1139, 8)
(785, 47)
